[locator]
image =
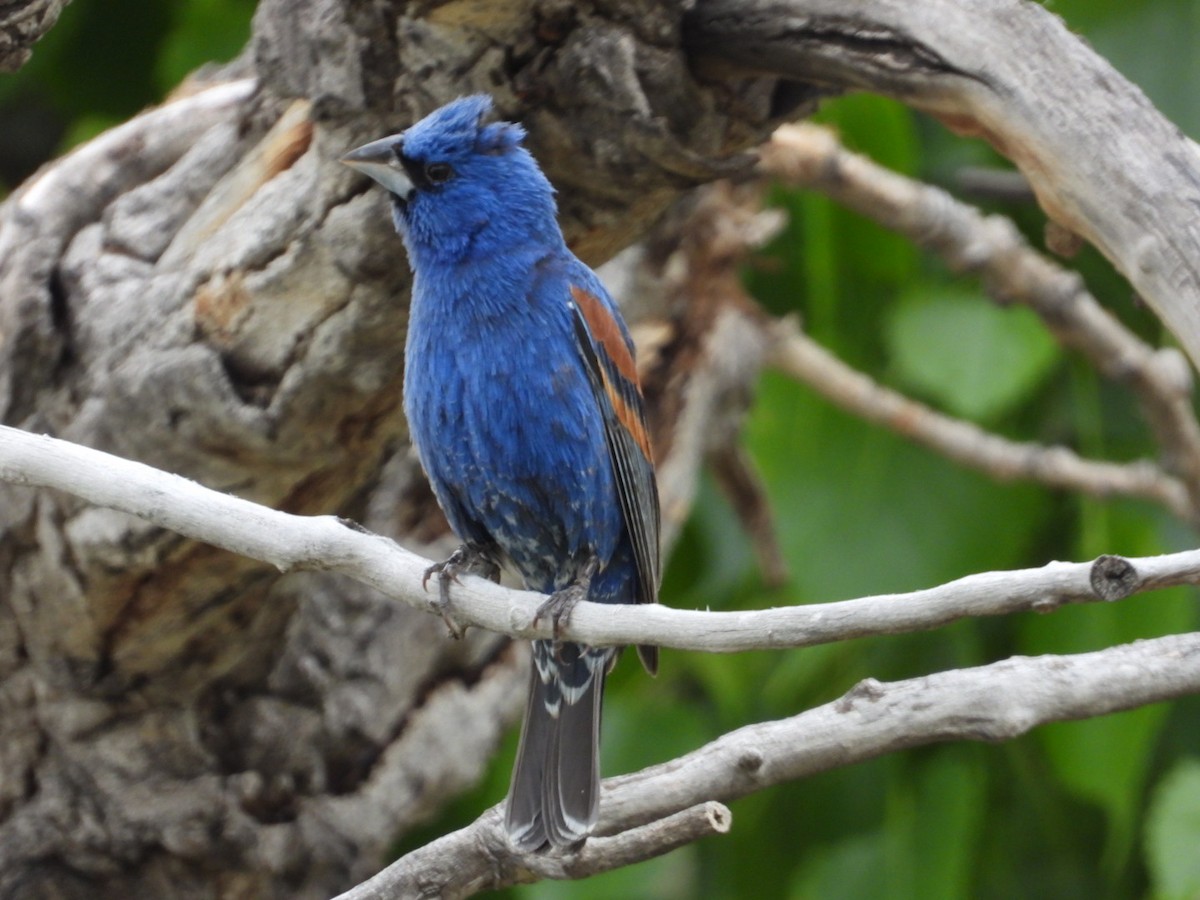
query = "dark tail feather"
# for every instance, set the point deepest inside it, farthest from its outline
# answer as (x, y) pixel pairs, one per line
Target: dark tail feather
(648, 654)
(555, 791)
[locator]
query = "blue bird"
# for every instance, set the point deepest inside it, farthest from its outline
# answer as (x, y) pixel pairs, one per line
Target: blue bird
(524, 406)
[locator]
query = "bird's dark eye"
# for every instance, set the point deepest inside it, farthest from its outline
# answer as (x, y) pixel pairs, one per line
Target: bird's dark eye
(439, 172)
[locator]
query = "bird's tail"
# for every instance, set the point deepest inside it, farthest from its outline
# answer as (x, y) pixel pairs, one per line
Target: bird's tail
(555, 788)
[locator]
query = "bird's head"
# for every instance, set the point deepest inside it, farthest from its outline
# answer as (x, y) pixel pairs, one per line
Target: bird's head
(459, 185)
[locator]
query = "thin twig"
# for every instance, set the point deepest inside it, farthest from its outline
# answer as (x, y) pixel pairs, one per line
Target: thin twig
(326, 543)
(994, 184)
(1013, 272)
(437, 870)
(996, 702)
(734, 471)
(103, 165)
(804, 359)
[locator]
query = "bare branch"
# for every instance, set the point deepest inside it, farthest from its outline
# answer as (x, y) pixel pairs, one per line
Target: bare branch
(22, 24)
(726, 224)
(438, 869)
(106, 166)
(801, 357)
(994, 184)
(735, 474)
(1103, 162)
(325, 543)
(997, 702)
(1012, 272)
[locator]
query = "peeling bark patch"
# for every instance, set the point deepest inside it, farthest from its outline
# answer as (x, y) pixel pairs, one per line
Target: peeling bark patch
(357, 438)
(150, 632)
(220, 304)
(284, 147)
(1023, 157)
(363, 426)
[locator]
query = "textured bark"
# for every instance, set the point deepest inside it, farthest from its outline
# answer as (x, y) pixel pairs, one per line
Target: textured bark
(22, 24)
(1103, 162)
(205, 289)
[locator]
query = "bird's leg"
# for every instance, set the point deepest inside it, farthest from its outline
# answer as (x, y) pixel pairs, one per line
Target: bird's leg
(558, 605)
(469, 559)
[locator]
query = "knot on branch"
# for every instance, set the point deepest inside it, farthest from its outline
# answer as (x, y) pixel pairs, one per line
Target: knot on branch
(870, 689)
(1113, 577)
(750, 761)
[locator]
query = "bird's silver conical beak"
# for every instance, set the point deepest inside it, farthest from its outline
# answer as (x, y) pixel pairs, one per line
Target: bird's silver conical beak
(378, 159)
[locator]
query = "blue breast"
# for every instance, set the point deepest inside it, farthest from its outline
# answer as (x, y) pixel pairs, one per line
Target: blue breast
(504, 420)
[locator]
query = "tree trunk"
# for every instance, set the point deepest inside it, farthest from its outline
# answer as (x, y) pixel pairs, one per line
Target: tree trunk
(207, 290)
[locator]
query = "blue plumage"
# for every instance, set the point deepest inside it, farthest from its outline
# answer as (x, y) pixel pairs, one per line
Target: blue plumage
(523, 404)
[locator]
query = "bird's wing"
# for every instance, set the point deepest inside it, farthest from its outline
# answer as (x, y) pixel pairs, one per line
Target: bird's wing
(608, 358)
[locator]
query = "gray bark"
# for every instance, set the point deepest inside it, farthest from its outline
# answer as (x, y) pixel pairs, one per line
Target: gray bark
(1103, 162)
(997, 702)
(205, 289)
(22, 24)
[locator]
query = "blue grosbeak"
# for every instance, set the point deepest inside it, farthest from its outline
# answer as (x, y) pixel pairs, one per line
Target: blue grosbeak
(524, 406)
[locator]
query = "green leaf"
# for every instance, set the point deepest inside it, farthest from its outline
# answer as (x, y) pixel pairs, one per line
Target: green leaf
(950, 814)
(1173, 834)
(827, 254)
(970, 356)
(849, 870)
(203, 31)
(878, 127)
(853, 503)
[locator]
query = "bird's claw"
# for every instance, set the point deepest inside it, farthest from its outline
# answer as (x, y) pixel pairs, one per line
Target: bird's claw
(441, 604)
(466, 558)
(557, 607)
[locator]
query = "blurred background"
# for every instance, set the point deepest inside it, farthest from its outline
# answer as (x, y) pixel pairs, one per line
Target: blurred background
(1108, 808)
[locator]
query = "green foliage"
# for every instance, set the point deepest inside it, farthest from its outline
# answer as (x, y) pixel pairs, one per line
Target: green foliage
(1173, 833)
(104, 61)
(970, 356)
(202, 31)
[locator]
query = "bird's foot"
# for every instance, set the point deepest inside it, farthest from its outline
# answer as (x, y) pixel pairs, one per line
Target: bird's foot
(558, 605)
(468, 559)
